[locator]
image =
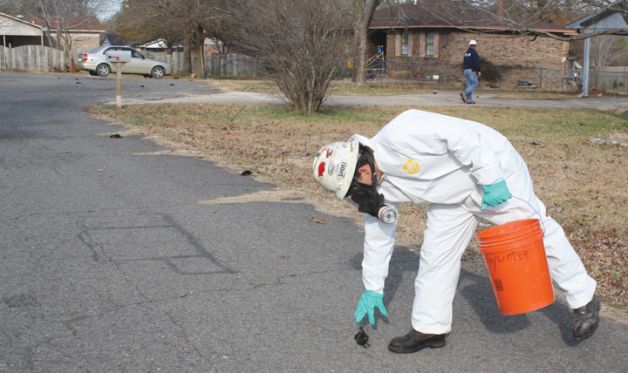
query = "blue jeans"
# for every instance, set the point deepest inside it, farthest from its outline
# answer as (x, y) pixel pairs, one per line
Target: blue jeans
(471, 78)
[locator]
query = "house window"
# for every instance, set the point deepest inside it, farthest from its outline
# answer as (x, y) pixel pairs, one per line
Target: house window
(404, 43)
(429, 44)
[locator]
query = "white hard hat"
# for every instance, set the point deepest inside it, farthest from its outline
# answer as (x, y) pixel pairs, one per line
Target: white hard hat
(334, 166)
(473, 42)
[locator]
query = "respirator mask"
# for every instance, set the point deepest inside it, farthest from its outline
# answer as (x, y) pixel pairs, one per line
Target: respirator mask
(365, 196)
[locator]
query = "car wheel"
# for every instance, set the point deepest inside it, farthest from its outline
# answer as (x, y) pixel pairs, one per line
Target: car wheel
(158, 72)
(92, 73)
(103, 70)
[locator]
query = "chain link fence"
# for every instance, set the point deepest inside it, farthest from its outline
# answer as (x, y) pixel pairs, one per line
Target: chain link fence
(609, 79)
(605, 80)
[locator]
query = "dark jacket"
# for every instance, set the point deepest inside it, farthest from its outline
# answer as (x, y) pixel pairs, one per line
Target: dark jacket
(471, 60)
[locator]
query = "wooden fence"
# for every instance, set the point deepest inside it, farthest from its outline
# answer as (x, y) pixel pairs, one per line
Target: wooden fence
(32, 58)
(175, 59)
(221, 65)
(233, 65)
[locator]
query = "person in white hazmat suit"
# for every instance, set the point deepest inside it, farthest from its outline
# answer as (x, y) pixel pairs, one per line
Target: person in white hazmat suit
(466, 172)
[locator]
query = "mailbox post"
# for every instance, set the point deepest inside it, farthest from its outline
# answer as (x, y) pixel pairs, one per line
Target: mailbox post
(118, 58)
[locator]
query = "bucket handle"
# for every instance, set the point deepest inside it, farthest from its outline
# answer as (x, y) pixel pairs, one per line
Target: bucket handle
(533, 209)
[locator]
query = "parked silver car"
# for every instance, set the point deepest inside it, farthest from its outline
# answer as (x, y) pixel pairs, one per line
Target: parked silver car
(95, 62)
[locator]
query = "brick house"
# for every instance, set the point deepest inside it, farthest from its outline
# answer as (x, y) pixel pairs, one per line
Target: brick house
(421, 44)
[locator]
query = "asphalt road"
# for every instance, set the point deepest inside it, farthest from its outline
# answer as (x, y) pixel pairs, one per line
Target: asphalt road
(108, 263)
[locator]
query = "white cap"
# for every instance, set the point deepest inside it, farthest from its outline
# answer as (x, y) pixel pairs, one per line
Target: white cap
(473, 42)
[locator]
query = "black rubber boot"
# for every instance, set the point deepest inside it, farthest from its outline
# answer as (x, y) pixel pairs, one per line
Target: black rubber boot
(414, 341)
(586, 319)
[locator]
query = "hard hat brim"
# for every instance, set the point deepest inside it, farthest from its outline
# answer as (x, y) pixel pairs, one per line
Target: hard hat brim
(341, 193)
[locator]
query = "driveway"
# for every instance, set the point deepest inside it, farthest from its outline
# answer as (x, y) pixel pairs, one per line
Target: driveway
(109, 263)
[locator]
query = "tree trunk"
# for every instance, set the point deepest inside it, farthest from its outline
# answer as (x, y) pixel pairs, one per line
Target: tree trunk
(187, 54)
(359, 53)
(362, 13)
(49, 38)
(69, 52)
(199, 65)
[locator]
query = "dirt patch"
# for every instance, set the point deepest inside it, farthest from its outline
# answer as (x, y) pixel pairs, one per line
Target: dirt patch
(262, 196)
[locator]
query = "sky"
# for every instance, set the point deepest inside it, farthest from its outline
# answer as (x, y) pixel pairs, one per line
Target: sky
(107, 8)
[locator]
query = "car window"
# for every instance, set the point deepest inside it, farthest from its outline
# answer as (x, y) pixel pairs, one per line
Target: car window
(113, 49)
(136, 54)
(95, 49)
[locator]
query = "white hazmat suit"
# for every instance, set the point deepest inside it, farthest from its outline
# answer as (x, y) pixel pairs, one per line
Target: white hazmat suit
(444, 161)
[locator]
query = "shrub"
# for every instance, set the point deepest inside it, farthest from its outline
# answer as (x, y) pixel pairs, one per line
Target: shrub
(490, 72)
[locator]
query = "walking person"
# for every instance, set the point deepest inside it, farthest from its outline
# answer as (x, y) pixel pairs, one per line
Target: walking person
(465, 172)
(471, 65)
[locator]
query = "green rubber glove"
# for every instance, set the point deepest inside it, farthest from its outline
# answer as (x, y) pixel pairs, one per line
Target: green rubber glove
(495, 194)
(367, 304)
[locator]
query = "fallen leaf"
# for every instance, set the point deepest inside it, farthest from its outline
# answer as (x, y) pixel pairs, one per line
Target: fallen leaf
(316, 219)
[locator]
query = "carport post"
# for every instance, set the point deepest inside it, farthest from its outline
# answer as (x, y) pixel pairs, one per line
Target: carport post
(585, 68)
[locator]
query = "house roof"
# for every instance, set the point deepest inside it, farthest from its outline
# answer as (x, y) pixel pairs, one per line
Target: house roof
(89, 24)
(443, 14)
(613, 17)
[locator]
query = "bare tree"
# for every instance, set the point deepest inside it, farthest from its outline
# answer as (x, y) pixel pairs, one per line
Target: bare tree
(175, 21)
(139, 20)
(303, 43)
(194, 18)
(59, 17)
(9, 7)
(607, 49)
(601, 50)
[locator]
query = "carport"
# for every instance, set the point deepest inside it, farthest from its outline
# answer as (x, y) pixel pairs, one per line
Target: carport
(16, 32)
(612, 19)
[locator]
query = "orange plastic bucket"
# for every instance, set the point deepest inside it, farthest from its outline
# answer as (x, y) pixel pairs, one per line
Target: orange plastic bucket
(514, 255)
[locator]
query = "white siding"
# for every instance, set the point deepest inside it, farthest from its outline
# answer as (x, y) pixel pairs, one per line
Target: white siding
(9, 26)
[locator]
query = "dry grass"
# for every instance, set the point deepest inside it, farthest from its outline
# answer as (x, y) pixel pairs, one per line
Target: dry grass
(583, 183)
(259, 86)
(338, 87)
